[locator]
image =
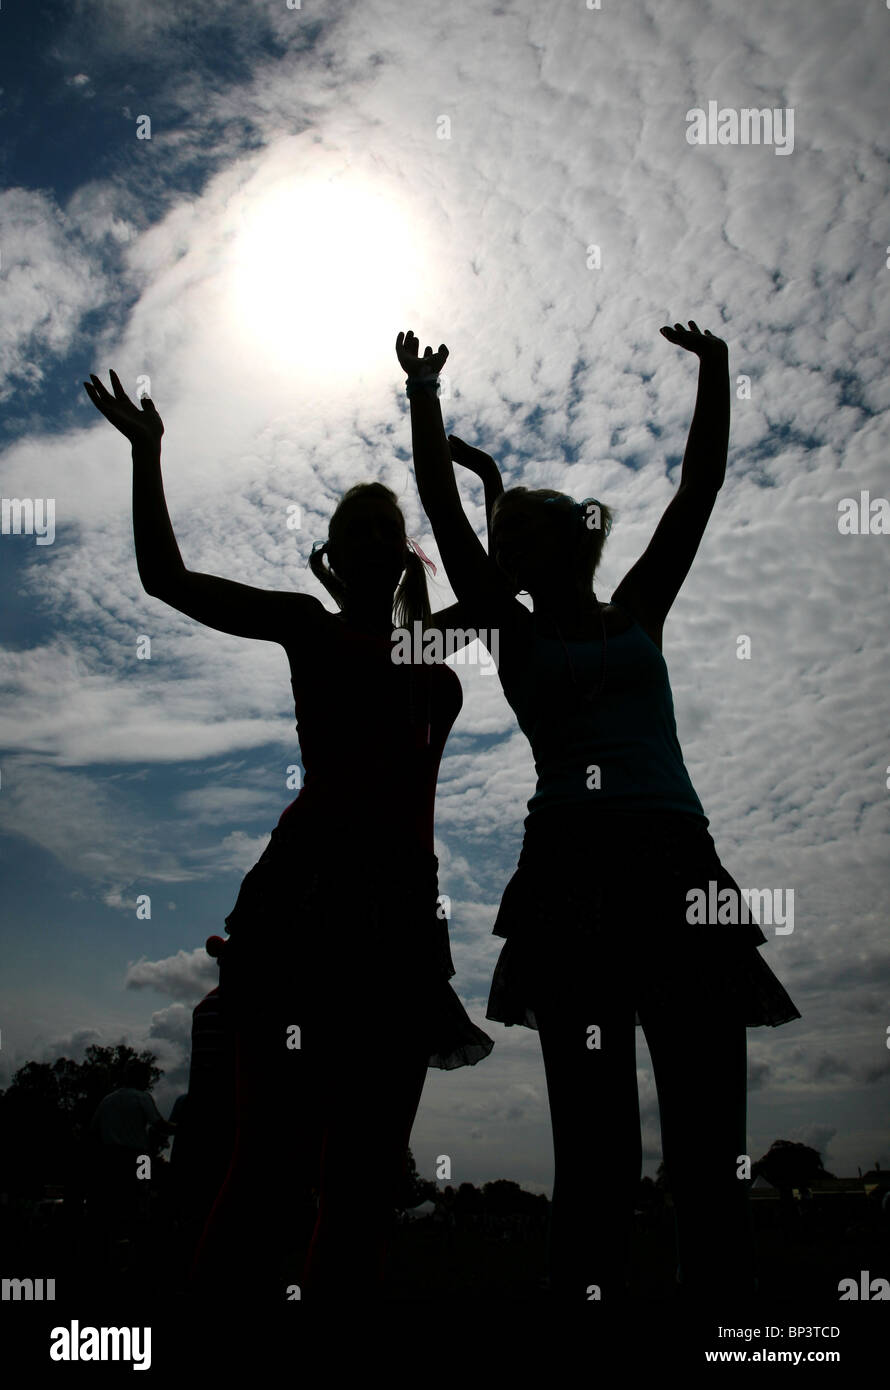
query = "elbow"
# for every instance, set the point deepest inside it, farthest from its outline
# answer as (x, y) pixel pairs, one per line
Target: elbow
(165, 587)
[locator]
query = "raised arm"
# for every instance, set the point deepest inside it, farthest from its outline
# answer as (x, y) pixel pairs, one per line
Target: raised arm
(268, 614)
(649, 588)
(454, 618)
(484, 466)
(473, 574)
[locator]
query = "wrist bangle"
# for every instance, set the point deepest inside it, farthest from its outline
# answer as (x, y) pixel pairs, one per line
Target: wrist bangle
(422, 383)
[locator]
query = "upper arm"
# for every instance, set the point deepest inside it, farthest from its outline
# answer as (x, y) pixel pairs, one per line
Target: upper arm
(455, 626)
(483, 595)
(486, 606)
(456, 619)
(471, 571)
(445, 619)
(650, 586)
(272, 615)
(498, 628)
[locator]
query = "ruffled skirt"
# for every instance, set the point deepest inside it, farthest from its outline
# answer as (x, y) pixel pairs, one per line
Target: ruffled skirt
(352, 947)
(608, 892)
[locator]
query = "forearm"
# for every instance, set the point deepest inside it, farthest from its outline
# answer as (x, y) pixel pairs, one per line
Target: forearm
(704, 462)
(493, 484)
(157, 553)
(433, 468)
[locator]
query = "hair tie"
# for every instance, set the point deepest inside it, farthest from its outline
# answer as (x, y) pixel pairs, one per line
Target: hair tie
(417, 550)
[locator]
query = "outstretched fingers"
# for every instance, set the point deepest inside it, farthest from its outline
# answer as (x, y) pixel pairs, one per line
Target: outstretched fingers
(115, 383)
(679, 334)
(119, 391)
(98, 386)
(97, 393)
(102, 392)
(706, 346)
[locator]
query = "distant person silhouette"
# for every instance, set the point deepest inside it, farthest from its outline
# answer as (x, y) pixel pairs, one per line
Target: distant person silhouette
(124, 1127)
(338, 965)
(596, 914)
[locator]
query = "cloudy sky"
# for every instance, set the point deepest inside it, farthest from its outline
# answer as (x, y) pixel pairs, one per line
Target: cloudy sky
(309, 181)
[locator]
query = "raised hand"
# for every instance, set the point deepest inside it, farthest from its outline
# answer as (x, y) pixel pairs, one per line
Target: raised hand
(430, 364)
(475, 460)
(140, 426)
(705, 345)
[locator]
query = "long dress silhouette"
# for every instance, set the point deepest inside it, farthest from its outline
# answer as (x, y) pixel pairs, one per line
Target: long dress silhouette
(599, 930)
(336, 975)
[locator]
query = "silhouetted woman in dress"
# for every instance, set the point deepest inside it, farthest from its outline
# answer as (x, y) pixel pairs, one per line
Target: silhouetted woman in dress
(337, 970)
(595, 917)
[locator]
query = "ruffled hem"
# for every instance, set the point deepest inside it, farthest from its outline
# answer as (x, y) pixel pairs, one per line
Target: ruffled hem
(741, 984)
(347, 939)
(625, 912)
(412, 1011)
(457, 1040)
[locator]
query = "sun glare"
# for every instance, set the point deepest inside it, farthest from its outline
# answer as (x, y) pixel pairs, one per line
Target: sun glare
(324, 272)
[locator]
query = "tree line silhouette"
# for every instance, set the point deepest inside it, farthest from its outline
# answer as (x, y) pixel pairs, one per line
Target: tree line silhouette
(45, 1114)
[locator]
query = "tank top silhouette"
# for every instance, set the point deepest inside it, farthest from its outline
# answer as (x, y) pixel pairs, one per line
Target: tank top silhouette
(372, 732)
(622, 724)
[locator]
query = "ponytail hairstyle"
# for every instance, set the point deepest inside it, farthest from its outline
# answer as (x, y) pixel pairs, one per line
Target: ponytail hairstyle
(580, 528)
(411, 602)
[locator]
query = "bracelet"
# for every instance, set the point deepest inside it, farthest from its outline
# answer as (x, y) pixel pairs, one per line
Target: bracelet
(425, 383)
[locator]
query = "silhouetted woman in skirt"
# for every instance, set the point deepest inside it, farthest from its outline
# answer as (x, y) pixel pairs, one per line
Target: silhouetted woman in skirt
(598, 916)
(336, 974)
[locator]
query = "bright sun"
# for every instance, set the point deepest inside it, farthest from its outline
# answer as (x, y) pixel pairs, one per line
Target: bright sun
(323, 272)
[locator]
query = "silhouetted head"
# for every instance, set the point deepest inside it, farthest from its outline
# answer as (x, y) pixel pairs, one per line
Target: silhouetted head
(367, 542)
(368, 553)
(137, 1075)
(543, 540)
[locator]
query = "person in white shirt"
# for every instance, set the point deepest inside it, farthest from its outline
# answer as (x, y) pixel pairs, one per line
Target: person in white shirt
(123, 1128)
